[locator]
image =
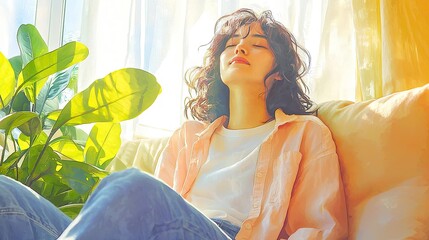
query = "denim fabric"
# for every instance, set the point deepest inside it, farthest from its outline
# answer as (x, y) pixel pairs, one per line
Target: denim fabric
(230, 229)
(134, 205)
(126, 205)
(26, 215)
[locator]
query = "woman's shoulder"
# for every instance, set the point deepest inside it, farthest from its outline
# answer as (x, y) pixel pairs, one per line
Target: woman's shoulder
(194, 125)
(315, 135)
(312, 119)
(310, 124)
(302, 120)
(201, 127)
(192, 128)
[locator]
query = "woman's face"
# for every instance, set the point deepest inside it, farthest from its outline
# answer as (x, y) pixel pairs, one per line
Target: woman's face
(247, 59)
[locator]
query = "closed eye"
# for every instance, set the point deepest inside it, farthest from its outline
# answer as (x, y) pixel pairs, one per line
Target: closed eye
(259, 46)
(230, 45)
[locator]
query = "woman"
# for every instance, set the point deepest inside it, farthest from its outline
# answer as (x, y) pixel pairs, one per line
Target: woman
(257, 164)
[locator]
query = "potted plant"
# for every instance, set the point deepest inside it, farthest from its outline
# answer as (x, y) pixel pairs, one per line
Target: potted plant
(41, 146)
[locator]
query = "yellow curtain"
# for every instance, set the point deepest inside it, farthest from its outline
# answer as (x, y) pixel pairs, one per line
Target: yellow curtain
(392, 48)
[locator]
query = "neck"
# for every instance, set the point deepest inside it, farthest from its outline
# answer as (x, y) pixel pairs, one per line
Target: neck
(247, 109)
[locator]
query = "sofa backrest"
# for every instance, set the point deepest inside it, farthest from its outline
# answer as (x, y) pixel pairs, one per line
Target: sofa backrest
(383, 148)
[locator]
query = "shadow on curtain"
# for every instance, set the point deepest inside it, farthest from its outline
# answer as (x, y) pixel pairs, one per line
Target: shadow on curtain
(392, 48)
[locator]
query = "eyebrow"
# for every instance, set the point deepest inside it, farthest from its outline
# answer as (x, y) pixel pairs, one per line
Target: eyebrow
(253, 35)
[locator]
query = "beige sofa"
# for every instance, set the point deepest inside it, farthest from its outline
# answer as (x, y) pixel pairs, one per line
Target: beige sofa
(383, 147)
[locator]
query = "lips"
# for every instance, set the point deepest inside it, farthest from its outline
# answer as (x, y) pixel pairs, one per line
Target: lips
(239, 60)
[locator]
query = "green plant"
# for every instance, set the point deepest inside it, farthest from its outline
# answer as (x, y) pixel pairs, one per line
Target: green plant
(41, 146)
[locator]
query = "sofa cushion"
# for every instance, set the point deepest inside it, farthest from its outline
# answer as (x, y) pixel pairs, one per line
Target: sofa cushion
(383, 147)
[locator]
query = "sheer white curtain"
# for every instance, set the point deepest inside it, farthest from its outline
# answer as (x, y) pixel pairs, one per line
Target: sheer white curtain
(164, 36)
(13, 13)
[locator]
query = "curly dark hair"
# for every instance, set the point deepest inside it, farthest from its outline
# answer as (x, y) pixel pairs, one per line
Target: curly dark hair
(210, 96)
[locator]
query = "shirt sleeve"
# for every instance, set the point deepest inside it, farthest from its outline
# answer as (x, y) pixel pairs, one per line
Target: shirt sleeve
(317, 208)
(166, 165)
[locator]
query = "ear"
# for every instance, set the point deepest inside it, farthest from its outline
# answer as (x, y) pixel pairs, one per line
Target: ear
(276, 76)
(272, 79)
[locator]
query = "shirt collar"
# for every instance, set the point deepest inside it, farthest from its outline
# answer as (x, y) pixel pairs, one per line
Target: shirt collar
(208, 131)
(281, 119)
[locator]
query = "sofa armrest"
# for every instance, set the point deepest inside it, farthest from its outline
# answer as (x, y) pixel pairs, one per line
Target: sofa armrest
(142, 154)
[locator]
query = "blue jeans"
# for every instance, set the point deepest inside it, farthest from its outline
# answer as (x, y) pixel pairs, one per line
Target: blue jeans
(126, 205)
(26, 215)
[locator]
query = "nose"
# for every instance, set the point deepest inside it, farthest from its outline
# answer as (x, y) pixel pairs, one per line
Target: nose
(240, 48)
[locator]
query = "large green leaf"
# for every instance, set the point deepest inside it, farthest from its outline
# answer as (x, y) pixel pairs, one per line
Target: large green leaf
(50, 63)
(30, 42)
(57, 191)
(21, 103)
(14, 120)
(103, 144)
(59, 83)
(24, 141)
(44, 105)
(46, 101)
(54, 115)
(31, 45)
(80, 176)
(27, 122)
(64, 197)
(11, 161)
(8, 82)
(32, 127)
(38, 163)
(121, 95)
(68, 148)
(72, 210)
(16, 63)
(78, 135)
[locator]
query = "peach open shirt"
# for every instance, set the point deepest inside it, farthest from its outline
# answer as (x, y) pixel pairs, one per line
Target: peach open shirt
(297, 191)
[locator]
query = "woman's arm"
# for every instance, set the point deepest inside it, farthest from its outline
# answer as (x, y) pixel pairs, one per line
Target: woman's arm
(167, 162)
(173, 163)
(317, 208)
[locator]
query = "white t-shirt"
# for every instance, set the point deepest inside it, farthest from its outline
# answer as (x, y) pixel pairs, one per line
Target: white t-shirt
(224, 185)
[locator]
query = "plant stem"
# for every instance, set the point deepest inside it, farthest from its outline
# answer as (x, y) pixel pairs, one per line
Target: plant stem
(37, 177)
(14, 146)
(51, 193)
(35, 96)
(12, 101)
(43, 104)
(28, 180)
(4, 149)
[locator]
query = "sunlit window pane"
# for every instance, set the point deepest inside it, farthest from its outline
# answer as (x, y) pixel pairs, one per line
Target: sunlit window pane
(72, 21)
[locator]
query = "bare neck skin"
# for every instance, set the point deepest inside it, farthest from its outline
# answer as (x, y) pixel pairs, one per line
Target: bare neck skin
(247, 108)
